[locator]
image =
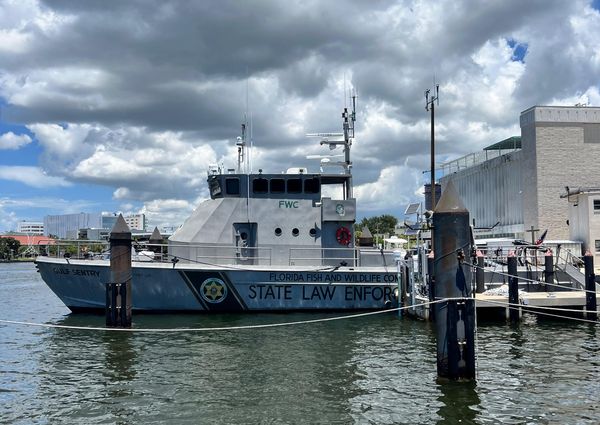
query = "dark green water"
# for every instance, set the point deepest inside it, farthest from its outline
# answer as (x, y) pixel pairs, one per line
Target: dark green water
(378, 369)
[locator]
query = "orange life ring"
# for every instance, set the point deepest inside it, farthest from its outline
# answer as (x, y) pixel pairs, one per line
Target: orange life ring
(343, 235)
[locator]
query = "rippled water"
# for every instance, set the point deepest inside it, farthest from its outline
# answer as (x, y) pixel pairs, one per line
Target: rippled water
(377, 369)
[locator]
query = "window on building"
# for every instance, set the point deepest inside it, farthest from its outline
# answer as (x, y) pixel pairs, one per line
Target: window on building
(277, 185)
(260, 185)
(294, 186)
(597, 245)
(597, 205)
(232, 186)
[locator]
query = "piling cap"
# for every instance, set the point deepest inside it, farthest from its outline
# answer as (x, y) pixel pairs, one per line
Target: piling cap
(450, 201)
(365, 233)
(120, 230)
(156, 236)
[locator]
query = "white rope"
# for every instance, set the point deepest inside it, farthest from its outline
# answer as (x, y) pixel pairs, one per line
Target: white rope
(222, 328)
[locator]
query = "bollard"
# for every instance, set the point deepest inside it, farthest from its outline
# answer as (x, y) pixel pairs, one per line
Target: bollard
(431, 285)
(479, 273)
(513, 288)
(548, 266)
(454, 318)
(118, 290)
(590, 286)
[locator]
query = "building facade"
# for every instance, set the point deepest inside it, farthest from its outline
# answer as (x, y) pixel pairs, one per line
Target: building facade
(518, 182)
(583, 204)
(31, 227)
(68, 225)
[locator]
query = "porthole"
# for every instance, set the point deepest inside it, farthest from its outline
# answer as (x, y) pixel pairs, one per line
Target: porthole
(312, 232)
(244, 236)
(278, 232)
(295, 231)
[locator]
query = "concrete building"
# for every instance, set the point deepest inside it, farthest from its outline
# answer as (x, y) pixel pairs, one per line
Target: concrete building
(518, 182)
(68, 225)
(30, 227)
(584, 217)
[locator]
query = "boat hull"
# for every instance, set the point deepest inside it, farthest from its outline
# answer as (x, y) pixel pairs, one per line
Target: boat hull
(159, 287)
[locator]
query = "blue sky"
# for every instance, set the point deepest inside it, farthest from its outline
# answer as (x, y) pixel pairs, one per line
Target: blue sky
(125, 108)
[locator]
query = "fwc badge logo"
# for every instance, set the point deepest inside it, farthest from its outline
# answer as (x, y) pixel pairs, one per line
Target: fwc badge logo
(340, 210)
(213, 290)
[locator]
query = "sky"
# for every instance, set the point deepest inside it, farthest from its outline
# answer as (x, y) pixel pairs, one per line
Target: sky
(121, 106)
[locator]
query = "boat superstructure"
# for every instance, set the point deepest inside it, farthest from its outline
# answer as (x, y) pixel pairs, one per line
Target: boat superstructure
(263, 241)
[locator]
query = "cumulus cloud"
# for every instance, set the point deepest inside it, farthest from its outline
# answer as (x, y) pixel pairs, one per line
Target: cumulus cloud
(13, 141)
(31, 176)
(142, 96)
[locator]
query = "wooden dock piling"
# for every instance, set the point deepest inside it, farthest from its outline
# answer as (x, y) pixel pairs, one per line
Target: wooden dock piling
(513, 288)
(454, 318)
(480, 272)
(590, 287)
(118, 290)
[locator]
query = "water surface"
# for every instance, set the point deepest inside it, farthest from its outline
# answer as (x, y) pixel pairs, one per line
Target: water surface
(378, 369)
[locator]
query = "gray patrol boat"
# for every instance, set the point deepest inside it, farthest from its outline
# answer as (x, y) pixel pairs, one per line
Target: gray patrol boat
(262, 242)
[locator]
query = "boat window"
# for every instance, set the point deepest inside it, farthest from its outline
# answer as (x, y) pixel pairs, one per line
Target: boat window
(295, 231)
(294, 186)
(278, 231)
(260, 186)
(312, 232)
(277, 185)
(232, 186)
(596, 204)
(312, 185)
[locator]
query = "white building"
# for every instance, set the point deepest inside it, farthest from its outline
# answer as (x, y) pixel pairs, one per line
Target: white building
(136, 221)
(31, 227)
(584, 217)
(518, 182)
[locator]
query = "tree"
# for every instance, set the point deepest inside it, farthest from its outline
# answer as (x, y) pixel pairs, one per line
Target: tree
(380, 224)
(9, 247)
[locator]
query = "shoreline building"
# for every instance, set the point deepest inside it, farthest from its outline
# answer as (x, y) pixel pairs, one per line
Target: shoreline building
(68, 225)
(518, 182)
(30, 227)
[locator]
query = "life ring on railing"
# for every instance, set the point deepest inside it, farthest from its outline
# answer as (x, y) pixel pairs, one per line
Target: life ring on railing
(343, 235)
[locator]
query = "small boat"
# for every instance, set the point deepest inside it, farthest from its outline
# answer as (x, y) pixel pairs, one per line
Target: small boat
(262, 242)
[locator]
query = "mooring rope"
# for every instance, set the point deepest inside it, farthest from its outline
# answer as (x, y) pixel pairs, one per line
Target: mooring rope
(220, 328)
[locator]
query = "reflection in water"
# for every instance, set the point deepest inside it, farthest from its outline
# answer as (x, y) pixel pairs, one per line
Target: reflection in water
(459, 402)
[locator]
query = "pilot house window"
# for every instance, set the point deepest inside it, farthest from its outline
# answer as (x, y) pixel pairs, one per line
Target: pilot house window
(277, 185)
(260, 186)
(232, 186)
(312, 185)
(294, 186)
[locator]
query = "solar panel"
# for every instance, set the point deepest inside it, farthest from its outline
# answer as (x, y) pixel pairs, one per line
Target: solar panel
(412, 209)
